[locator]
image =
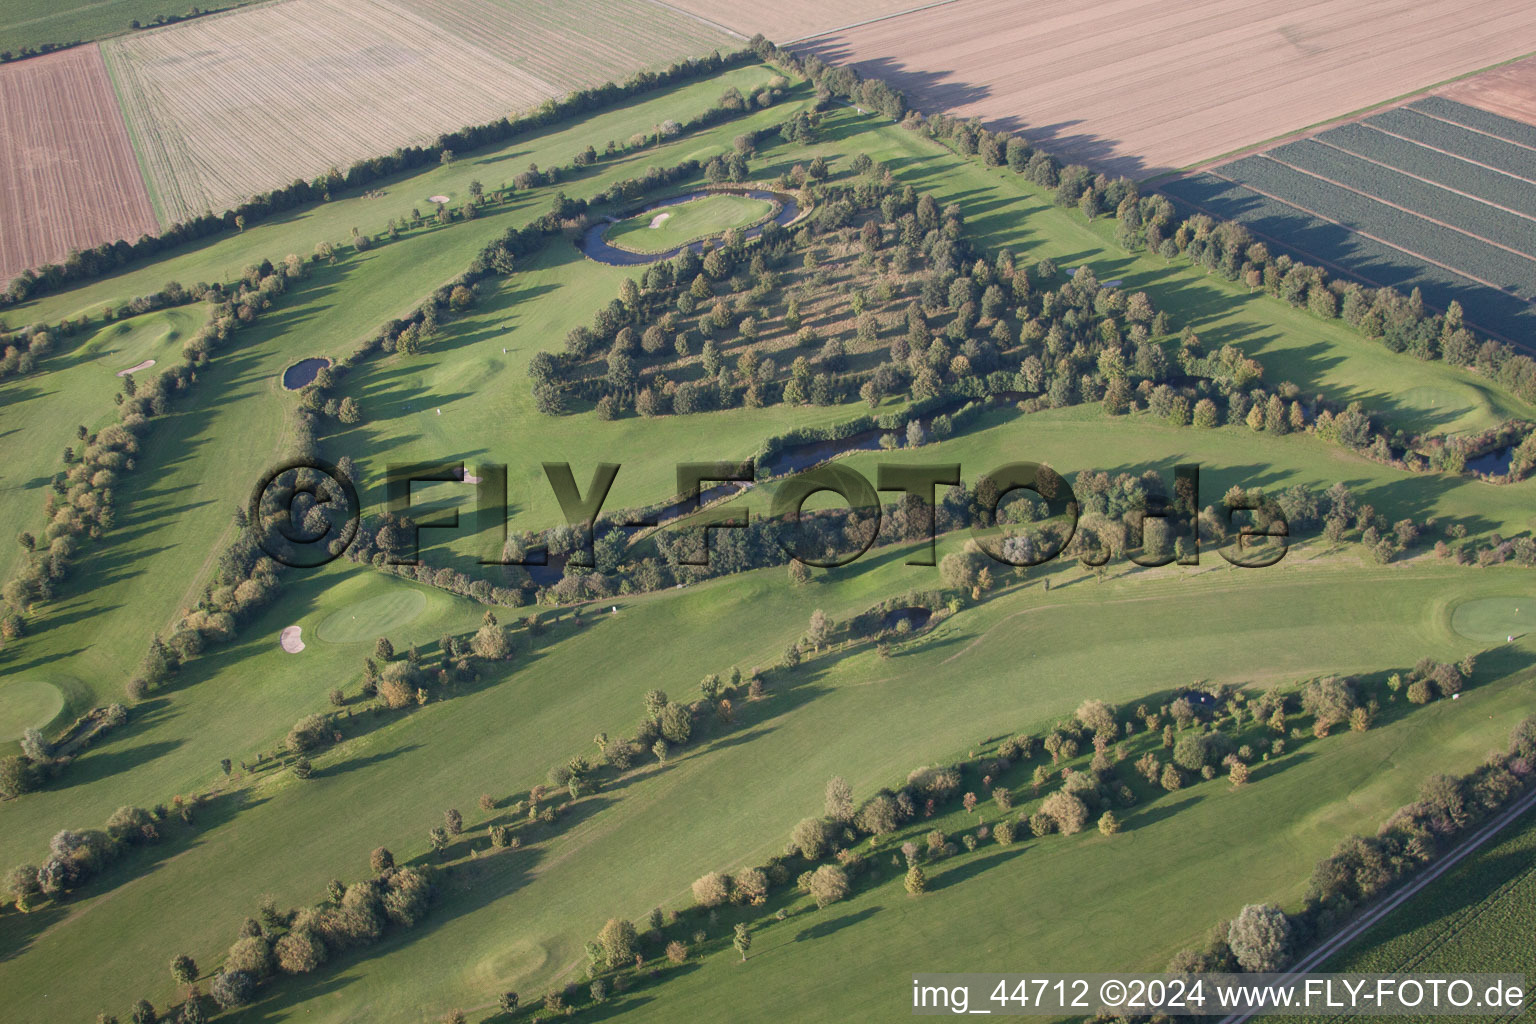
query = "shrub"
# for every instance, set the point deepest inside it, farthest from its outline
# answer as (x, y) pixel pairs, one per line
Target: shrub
(711, 890)
(828, 884)
(1068, 812)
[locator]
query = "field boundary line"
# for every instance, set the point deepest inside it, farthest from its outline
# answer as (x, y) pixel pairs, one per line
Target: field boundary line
(108, 58)
(1470, 128)
(699, 18)
(1323, 261)
(1445, 152)
(1374, 238)
(1317, 126)
(1427, 181)
(1395, 206)
(871, 21)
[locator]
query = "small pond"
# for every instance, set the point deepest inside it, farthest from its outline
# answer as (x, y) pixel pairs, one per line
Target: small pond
(1495, 463)
(302, 373)
(916, 618)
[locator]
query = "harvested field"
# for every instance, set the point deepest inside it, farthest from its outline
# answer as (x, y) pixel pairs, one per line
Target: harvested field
(1138, 87)
(68, 178)
(1509, 91)
(231, 105)
(576, 43)
(796, 19)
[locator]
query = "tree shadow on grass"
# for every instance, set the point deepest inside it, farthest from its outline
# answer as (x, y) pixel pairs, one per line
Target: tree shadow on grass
(822, 929)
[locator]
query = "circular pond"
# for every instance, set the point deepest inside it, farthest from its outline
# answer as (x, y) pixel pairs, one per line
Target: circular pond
(665, 228)
(1494, 619)
(303, 373)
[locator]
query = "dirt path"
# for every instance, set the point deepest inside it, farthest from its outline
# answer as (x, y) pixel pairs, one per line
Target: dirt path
(1322, 952)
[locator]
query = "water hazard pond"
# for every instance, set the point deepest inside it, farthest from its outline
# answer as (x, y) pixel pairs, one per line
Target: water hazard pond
(595, 245)
(303, 373)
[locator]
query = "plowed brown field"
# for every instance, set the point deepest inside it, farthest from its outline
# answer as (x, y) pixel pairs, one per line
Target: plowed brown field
(1510, 91)
(1143, 86)
(68, 177)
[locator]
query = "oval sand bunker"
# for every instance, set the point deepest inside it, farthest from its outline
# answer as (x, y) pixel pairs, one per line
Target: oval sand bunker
(290, 639)
(146, 364)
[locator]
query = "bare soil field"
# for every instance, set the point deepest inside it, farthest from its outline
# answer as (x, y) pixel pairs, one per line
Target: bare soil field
(796, 19)
(1141, 87)
(230, 105)
(68, 178)
(1509, 91)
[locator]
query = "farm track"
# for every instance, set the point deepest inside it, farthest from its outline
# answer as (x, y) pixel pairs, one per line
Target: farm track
(68, 176)
(1336, 943)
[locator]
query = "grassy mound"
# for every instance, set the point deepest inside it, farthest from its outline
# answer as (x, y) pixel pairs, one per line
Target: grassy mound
(372, 617)
(668, 228)
(1493, 619)
(29, 704)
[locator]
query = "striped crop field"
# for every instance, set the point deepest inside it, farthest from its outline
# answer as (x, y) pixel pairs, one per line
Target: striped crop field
(1499, 154)
(1410, 232)
(1437, 196)
(1453, 207)
(1433, 165)
(231, 105)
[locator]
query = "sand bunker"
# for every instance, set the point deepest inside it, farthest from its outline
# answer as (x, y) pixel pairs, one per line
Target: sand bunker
(658, 220)
(146, 364)
(437, 199)
(290, 640)
(470, 478)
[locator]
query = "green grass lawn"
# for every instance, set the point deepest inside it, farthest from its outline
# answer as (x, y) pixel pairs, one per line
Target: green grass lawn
(180, 507)
(995, 668)
(1017, 662)
(29, 704)
(707, 217)
(75, 391)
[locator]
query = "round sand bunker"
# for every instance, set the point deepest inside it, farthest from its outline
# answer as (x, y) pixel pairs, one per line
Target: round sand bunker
(290, 640)
(437, 199)
(146, 364)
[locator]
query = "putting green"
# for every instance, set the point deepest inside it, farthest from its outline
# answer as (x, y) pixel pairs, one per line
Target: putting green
(29, 704)
(373, 617)
(1494, 619)
(666, 228)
